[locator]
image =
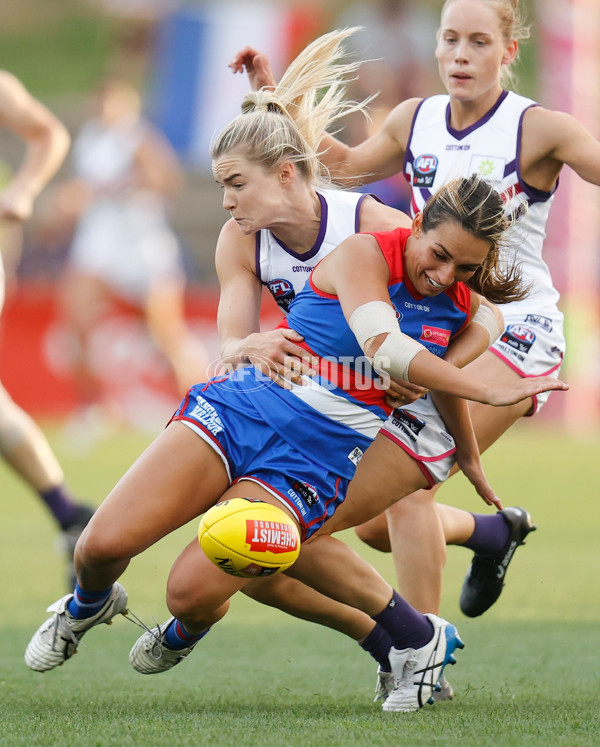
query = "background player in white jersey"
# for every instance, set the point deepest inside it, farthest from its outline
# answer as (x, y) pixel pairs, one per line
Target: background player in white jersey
(477, 43)
(125, 173)
(22, 443)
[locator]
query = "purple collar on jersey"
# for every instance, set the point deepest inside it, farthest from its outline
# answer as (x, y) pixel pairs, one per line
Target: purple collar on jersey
(460, 134)
(300, 257)
(305, 256)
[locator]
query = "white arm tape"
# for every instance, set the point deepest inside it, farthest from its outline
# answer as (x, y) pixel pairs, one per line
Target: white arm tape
(486, 318)
(397, 350)
(372, 319)
(395, 354)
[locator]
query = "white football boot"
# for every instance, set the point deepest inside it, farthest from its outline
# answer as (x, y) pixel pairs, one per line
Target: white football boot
(150, 655)
(57, 639)
(384, 685)
(417, 672)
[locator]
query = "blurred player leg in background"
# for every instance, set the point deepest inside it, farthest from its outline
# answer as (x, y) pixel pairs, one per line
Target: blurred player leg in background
(22, 443)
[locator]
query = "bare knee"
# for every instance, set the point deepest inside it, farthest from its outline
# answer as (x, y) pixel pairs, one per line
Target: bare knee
(98, 548)
(194, 608)
(375, 533)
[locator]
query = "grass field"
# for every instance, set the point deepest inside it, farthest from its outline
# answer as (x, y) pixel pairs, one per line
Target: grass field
(529, 675)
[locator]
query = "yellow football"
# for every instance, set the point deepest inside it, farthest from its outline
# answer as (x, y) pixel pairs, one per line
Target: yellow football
(248, 538)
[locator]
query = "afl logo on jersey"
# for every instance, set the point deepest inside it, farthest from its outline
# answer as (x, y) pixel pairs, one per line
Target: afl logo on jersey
(425, 168)
(283, 292)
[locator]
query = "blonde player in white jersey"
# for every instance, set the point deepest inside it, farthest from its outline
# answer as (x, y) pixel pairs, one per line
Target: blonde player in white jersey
(282, 262)
(477, 44)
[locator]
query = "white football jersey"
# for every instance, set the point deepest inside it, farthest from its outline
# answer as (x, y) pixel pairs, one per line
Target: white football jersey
(437, 153)
(283, 270)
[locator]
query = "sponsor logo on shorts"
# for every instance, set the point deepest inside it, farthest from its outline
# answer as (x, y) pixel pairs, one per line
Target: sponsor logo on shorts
(356, 455)
(539, 321)
(283, 292)
(435, 335)
(270, 536)
(206, 414)
(425, 169)
(407, 423)
(308, 494)
(518, 337)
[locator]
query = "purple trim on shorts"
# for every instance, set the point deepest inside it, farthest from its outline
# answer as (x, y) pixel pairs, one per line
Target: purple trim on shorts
(257, 257)
(460, 134)
(304, 257)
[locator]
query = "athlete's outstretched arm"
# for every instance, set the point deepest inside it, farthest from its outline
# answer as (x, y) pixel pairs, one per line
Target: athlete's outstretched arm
(360, 257)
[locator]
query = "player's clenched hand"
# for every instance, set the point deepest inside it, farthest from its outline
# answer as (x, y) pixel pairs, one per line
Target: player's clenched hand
(276, 355)
(509, 394)
(257, 65)
(401, 393)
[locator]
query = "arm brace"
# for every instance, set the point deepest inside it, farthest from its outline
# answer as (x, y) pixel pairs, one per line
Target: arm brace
(396, 352)
(486, 318)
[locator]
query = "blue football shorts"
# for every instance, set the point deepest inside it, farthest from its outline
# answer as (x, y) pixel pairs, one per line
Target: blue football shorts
(227, 420)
